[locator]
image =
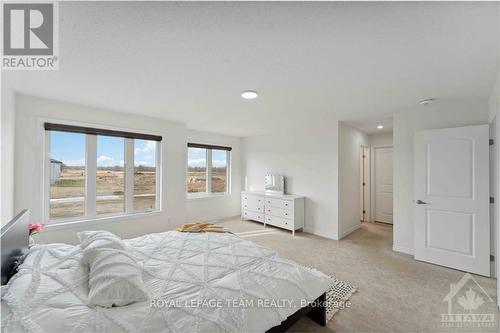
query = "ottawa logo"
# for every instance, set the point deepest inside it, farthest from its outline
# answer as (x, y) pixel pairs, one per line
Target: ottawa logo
(469, 305)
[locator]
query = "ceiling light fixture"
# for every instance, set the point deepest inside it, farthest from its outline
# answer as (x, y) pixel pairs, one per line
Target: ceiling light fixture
(426, 101)
(380, 126)
(249, 94)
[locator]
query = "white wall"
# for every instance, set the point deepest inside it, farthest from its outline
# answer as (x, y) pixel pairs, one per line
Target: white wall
(438, 115)
(29, 160)
(350, 142)
(494, 100)
(308, 158)
(380, 139)
(7, 128)
(218, 207)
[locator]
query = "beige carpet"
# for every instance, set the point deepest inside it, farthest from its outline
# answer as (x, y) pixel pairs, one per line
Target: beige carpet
(395, 292)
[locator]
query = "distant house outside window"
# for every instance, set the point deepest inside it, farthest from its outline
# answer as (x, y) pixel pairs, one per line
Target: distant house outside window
(55, 170)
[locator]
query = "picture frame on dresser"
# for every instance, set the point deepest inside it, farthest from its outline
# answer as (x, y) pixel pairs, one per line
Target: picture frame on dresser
(285, 211)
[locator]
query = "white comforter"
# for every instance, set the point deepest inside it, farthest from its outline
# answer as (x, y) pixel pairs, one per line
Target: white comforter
(197, 282)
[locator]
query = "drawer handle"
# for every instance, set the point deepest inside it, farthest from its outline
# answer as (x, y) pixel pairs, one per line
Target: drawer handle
(269, 202)
(286, 214)
(258, 208)
(245, 206)
(259, 200)
(269, 210)
(286, 204)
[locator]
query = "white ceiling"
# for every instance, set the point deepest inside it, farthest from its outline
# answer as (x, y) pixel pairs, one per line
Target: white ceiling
(311, 62)
(369, 126)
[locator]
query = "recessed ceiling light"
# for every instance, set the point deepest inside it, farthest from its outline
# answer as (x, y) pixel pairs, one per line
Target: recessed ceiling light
(426, 101)
(249, 94)
(380, 126)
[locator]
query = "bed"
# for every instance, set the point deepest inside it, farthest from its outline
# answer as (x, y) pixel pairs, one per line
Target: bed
(206, 282)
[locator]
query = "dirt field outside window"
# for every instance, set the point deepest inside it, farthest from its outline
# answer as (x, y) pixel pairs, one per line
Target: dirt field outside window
(67, 195)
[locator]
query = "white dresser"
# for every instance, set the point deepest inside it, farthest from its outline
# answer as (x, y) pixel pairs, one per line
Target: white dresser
(284, 211)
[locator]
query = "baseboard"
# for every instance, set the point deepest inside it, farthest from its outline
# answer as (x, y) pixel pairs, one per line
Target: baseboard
(493, 269)
(321, 234)
(350, 230)
(402, 249)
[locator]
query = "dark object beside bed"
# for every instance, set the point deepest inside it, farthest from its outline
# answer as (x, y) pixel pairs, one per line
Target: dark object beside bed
(316, 311)
(15, 240)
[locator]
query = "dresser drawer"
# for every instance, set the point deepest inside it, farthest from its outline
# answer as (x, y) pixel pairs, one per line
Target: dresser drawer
(253, 205)
(252, 201)
(279, 222)
(279, 203)
(246, 214)
(279, 212)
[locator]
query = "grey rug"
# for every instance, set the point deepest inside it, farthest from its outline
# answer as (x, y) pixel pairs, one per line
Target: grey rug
(337, 297)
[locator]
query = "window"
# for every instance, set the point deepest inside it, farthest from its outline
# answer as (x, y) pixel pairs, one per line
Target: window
(110, 183)
(144, 174)
(219, 171)
(207, 172)
(67, 175)
(197, 170)
(89, 176)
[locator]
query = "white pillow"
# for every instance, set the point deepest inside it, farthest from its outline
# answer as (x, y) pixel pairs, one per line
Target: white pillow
(114, 276)
(100, 239)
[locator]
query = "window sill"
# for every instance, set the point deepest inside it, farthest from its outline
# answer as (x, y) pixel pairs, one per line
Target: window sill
(207, 196)
(67, 224)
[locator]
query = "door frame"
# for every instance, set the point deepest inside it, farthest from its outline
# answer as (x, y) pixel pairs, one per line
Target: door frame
(494, 236)
(373, 204)
(495, 123)
(364, 191)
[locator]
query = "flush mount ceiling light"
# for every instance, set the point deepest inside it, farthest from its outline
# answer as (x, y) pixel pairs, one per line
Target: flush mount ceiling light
(249, 94)
(380, 126)
(426, 101)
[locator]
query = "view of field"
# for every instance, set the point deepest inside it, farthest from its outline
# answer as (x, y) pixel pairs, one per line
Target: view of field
(144, 188)
(68, 179)
(110, 188)
(198, 161)
(196, 180)
(67, 195)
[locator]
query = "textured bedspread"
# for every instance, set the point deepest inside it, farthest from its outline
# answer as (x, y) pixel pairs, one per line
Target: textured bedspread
(206, 282)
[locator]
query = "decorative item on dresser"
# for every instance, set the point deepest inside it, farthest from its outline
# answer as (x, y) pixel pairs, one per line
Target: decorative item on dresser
(284, 211)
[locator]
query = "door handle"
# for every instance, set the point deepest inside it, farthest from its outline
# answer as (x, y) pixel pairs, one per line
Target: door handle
(420, 202)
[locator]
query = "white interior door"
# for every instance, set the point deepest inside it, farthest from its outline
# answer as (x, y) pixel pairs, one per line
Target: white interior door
(452, 198)
(383, 184)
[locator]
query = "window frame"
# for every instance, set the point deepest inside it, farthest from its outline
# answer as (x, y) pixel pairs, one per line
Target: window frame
(208, 173)
(91, 175)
